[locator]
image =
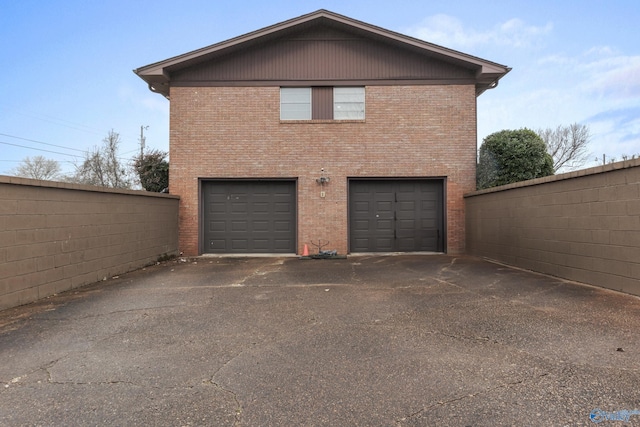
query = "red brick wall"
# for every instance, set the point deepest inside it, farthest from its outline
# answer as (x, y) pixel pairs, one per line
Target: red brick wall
(236, 132)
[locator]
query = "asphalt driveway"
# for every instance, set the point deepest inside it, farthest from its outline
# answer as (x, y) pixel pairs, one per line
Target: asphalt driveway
(408, 340)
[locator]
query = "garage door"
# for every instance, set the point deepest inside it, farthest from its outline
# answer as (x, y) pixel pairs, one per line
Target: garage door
(396, 215)
(249, 216)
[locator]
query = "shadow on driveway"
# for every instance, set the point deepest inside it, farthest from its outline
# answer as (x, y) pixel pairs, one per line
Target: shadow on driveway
(407, 340)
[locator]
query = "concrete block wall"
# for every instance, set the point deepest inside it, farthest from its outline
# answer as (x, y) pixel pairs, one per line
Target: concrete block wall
(236, 132)
(58, 236)
(582, 226)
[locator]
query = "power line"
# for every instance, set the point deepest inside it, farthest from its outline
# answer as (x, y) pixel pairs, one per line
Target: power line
(43, 143)
(38, 149)
(20, 161)
(53, 152)
(58, 121)
(55, 121)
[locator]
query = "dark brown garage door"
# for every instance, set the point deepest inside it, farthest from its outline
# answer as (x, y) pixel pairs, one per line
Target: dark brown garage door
(249, 216)
(396, 215)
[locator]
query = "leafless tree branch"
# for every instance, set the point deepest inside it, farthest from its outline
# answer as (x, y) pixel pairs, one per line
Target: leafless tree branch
(102, 167)
(38, 167)
(567, 145)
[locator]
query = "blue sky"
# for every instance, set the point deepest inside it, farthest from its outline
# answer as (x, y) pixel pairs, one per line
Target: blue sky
(66, 77)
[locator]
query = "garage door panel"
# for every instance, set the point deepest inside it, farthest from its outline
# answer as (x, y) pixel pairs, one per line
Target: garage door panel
(407, 245)
(362, 224)
(429, 224)
(240, 226)
(409, 205)
(406, 215)
(249, 216)
(217, 207)
(260, 244)
(217, 244)
(384, 225)
(261, 207)
(237, 197)
(406, 224)
(428, 205)
(239, 244)
(360, 243)
(259, 226)
(281, 244)
(384, 206)
(361, 206)
(282, 226)
(217, 226)
(383, 245)
(239, 208)
(396, 215)
(282, 207)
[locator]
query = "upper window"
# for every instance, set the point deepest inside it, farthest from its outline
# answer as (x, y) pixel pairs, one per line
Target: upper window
(322, 103)
(348, 103)
(295, 103)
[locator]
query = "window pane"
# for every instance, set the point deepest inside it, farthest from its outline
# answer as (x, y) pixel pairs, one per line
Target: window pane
(295, 103)
(348, 103)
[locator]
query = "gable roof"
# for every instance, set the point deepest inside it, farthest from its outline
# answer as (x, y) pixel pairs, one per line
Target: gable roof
(485, 74)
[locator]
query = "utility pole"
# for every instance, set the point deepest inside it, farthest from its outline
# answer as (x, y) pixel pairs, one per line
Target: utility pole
(142, 139)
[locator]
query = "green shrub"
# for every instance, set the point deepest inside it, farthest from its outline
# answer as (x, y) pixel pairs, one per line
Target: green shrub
(511, 156)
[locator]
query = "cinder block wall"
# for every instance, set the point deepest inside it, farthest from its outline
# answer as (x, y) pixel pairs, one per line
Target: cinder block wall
(236, 132)
(582, 226)
(57, 236)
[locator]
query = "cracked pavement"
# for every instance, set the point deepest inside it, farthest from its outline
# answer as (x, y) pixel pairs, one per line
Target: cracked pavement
(404, 340)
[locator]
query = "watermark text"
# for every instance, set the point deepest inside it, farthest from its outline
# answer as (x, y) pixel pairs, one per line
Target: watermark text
(598, 415)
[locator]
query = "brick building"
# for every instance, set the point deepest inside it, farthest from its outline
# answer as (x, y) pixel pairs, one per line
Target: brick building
(322, 129)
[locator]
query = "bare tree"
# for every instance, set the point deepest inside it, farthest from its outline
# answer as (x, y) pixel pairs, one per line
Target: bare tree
(38, 167)
(101, 165)
(567, 145)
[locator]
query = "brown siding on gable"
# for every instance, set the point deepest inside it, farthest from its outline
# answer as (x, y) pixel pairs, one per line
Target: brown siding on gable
(307, 57)
(322, 103)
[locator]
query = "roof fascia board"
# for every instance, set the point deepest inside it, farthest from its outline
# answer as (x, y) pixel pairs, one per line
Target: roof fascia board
(424, 45)
(307, 83)
(161, 65)
(484, 65)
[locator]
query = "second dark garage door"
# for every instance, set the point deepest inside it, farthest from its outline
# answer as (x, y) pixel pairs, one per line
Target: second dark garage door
(249, 216)
(396, 215)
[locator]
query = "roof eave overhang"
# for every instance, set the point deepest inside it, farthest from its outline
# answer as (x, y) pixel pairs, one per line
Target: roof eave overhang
(157, 75)
(158, 81)
(488, 78)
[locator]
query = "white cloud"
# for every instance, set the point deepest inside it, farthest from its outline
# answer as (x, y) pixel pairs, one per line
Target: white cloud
(555, 60)
(617, 76)
(601, 51)
(601, 71)
(449, 31)
(599, 86)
